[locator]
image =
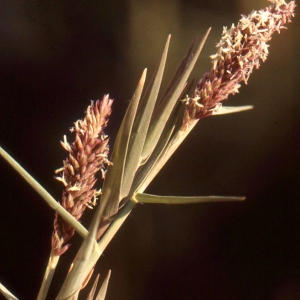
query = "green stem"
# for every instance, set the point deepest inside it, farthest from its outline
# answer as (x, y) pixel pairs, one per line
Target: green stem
(116, 224)
(72, 285)
(6, 293)
(51, 267)
(45, 195)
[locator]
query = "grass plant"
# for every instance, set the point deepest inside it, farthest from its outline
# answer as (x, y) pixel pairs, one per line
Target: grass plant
(155, 124)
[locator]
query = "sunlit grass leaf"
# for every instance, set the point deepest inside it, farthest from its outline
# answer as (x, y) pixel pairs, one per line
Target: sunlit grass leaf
(147, 198)
(167, 104)
(112, 186)
(93, 290)
(102, 292)
(141, 124)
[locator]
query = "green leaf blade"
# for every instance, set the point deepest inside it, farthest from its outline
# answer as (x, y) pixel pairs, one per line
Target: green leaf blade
(112, 186)
(141, 124)
(147, 198)
(166, 106)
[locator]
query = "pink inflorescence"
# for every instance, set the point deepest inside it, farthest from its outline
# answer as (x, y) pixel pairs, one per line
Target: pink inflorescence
(241, 48)
(87, 155)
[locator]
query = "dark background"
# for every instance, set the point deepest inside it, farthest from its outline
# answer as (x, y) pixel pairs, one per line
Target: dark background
(57, 55)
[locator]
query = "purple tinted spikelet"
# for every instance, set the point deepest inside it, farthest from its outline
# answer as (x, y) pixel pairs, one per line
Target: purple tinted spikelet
(241, 48)
(87, 155)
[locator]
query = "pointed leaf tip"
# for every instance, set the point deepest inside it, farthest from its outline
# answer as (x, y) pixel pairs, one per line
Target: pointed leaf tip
(93, 290)
(223, 110)
(103, 289)
(143, 78)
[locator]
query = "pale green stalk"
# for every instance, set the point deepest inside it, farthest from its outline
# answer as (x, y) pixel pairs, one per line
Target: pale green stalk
(49, 272)
(53, 260)
(69, 288)
(81, 230)
(6, 293)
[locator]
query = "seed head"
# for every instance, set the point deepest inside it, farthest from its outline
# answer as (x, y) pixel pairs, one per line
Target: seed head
(87, 155)
(241, 49)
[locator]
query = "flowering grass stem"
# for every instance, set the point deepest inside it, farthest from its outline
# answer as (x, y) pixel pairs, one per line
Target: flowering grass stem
(152, 129)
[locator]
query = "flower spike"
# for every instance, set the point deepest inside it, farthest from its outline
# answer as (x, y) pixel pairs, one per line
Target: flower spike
(240, 50)
(87, 155)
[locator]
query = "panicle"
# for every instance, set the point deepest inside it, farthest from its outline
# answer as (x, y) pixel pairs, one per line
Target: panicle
(87, 155)
(240, 49)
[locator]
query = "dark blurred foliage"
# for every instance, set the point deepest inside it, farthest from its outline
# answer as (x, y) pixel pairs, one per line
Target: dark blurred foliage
(57, 55)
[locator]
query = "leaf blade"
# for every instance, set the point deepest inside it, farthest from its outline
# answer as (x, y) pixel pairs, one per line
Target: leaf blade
(166, 106)
(112, 186)
(103, 289)
(93, 289)
(141, 124)
(147, 198)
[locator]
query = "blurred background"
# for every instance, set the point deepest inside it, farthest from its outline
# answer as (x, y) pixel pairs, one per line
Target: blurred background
(55, 56)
